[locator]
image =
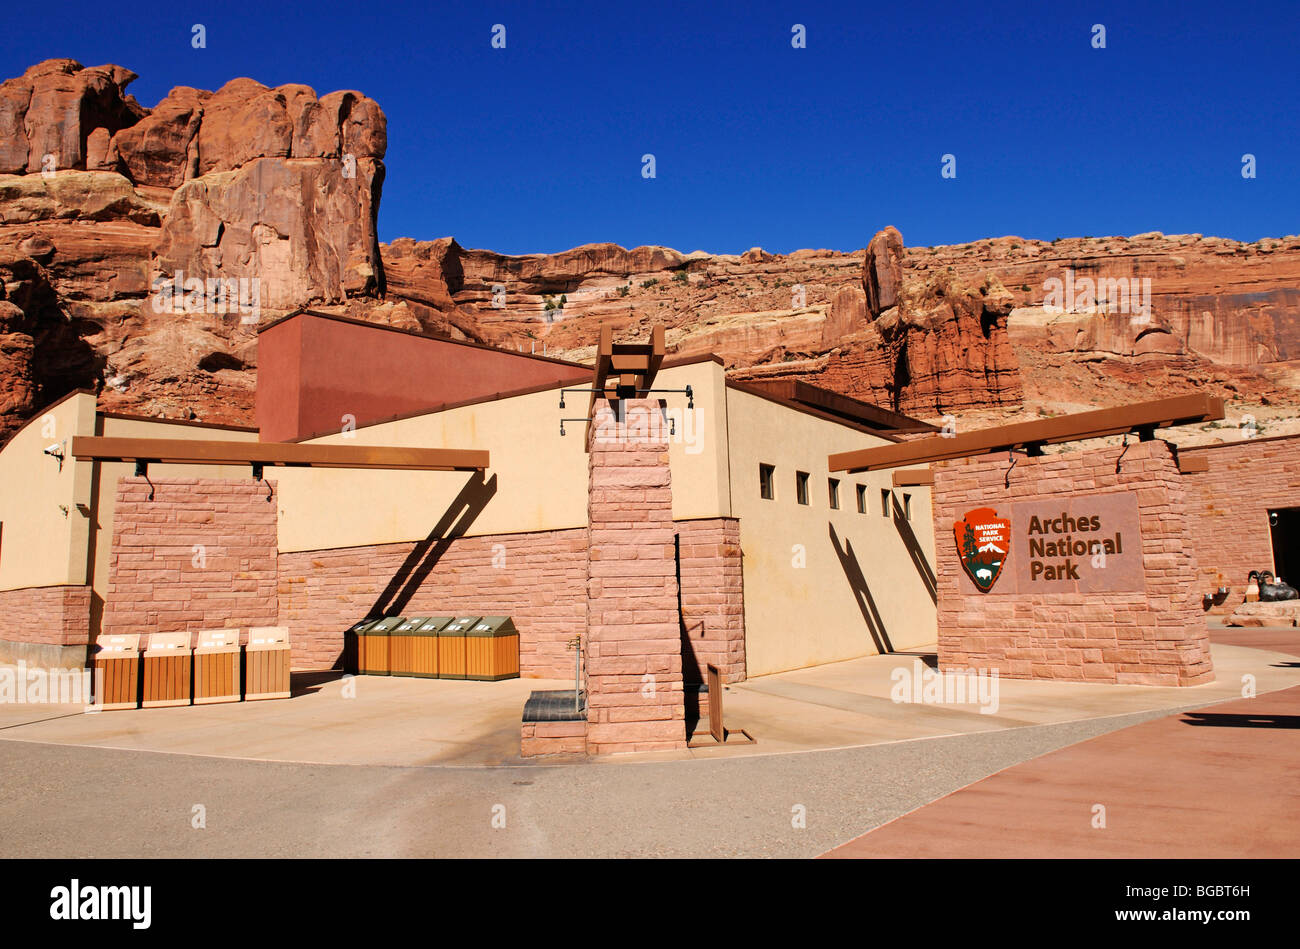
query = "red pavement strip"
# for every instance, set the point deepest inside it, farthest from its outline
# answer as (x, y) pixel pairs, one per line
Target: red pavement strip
(1223, 781)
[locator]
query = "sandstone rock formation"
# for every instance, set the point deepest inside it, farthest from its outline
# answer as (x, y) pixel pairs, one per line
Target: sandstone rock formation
(882, 273)
(103, 203)
(49, 114)
(247, 201)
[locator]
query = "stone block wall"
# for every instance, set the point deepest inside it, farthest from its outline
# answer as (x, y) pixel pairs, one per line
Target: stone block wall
(201, 554)
(538, 578)
(713, 598)
(1227, 508)
(1152, 635)
(46, 626)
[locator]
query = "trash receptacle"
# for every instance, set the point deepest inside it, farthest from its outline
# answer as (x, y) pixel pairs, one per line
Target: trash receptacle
(451, 647)
(266, 663)
(167, 667)
(216, 667)
(117, 671)
(400, 644)
(372, 646)
(492, 649)
(414, 646)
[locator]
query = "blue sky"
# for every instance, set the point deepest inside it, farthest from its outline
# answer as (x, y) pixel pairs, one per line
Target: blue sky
(538, 146)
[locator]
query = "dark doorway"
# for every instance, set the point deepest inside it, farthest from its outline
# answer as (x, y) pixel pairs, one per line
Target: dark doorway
(1284, 523)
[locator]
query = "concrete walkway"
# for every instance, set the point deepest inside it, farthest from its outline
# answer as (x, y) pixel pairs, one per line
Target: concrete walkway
(405, 722)
(1216, 782)
(415, 768)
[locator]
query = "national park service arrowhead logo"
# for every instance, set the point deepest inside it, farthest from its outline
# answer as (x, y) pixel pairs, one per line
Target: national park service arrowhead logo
(983, 543)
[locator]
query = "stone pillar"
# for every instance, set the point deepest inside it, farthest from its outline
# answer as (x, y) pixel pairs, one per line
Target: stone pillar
(633, 647)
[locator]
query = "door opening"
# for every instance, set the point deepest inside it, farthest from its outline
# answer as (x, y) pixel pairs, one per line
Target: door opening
(1284, 524)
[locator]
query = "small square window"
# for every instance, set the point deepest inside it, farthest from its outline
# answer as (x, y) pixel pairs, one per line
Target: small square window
(834, 485)
(884, 502)
(801, 486)
(767, 482)
(862, 499)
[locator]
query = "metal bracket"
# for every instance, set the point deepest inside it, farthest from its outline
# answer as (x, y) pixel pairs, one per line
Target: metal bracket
(562, 391)
(142, 471)
(689, 392)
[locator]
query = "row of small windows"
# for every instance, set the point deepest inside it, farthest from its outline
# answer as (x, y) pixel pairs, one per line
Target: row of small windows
(767, 490)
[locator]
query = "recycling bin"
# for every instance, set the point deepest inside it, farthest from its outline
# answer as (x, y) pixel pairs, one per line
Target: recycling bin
(413, 646)
(492, 649)
(451, 647)
(266, 663)
(217, 673)
(168, 662)
(372, 646)
(400, 645)
(353, 645)
(117, 671)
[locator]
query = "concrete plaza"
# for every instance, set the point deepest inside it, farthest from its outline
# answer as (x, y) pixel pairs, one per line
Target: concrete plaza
(417, 767)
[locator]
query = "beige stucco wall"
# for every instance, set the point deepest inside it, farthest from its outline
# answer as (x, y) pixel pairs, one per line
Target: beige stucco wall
(797, 616)
(540, 477)
(45, 510)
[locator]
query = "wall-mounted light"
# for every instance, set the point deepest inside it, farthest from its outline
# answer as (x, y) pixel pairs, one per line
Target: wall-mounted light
(56, 451)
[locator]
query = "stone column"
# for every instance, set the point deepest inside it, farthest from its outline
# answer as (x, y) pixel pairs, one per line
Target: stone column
(633, 648)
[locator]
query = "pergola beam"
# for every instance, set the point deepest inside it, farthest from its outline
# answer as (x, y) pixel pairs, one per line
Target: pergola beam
(1141, 418)
(178, 451)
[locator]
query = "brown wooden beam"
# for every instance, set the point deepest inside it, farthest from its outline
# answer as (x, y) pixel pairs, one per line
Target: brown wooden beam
(913, 477)
(1162, 413)
(178, 451)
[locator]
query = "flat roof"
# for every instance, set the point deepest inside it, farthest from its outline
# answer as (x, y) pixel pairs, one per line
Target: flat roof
(418, 334)
(836, 403)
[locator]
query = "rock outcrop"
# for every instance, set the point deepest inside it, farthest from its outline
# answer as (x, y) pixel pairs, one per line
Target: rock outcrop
(59, 115)
(882, 273)
(142, 246)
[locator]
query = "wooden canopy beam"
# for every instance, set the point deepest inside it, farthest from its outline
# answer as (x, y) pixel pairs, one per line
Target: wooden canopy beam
(913, 477)
(178, 451)
(1142, 418)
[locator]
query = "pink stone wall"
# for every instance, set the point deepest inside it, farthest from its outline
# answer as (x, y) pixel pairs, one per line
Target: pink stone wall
(159, 582)
(1152, 636)
(1228, 506)
(539, 579)
(713, 598)
(57, 616)
(633, 646)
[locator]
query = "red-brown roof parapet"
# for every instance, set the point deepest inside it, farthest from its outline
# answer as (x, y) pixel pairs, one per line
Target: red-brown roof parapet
(1142, 418)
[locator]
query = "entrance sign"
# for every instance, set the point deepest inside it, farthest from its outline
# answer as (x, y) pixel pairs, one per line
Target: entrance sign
(983, 543)
(1083, 543)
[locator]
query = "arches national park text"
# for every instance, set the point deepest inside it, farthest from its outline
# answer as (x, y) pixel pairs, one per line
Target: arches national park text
(1045, 542)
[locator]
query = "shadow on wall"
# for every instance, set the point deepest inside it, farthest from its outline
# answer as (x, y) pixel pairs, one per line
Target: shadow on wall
(419, 563)
(923, 568)
(692, 674)
(861, 592)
